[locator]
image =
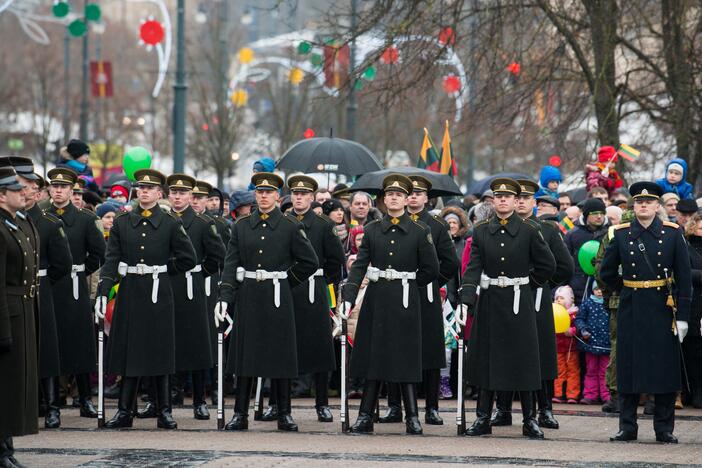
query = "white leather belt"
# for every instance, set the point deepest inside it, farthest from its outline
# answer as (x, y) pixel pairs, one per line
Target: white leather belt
(189, 280)
(430, 292)
(263, 275)
(505, 282)
(141, 270)
(75, 269)
(537, 302)
(374, 274)
(42, 273)
(319, 272)
(208, 286)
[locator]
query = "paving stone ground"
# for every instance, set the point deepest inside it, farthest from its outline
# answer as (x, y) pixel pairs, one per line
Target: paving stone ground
(583, 440)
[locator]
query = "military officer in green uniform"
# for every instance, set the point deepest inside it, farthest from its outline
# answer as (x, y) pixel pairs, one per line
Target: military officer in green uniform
(655, 286)
(72, 304)
(18, 340)
(544, 316)
(398, 256)
(509, 261)
(147, 248)
(268, 255)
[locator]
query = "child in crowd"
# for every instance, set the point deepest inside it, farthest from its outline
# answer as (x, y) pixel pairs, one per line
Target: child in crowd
(603, 173)
(450, 341)
(568, 359)
(674, 180)
(549, 180)
(592, 322)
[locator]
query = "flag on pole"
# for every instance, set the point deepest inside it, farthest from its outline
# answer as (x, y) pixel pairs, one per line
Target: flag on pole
(628, 153)
(566, 225)
(331, 296)
(447, 165)
(428, 156)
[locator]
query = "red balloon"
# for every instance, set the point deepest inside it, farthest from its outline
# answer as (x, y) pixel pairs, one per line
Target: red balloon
(452, 84)
(514, 68)
(554, 160)
(151, 32)
(309, 133)
(447, 36)
(390, 55)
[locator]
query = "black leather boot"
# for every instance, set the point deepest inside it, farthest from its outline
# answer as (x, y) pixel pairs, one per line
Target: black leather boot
(481, 425)
(503, 409)
(432, 378)
(271, 413)
(364, 423)
(321, 397)
(87, 410)
(409, 397)
(163, 398)
(240, 419)
(544, 404)
(200, 410)
(285, 419)
(7, 459)
(150, 408)
(127, 397)
(394, 412)
(52, 415)
(529, 428)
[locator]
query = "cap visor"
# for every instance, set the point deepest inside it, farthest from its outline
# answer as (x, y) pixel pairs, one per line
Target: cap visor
(15, 187)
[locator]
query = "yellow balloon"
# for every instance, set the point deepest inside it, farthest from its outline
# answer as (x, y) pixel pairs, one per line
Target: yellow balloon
(246, 55)
(296, 75)
(240, 98)
(561, 319)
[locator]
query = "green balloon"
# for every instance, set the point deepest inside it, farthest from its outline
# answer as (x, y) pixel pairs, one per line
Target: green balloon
(134, 159)
(77, 28)
(60, 9)
(92, 12)
(586, 256)
(316, 60)
(304, 48)
(369, 73)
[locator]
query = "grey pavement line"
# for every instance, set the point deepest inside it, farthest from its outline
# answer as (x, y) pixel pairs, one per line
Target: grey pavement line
(149, 457)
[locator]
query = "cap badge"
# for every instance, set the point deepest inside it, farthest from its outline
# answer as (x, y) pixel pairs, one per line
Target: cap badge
(179, 182)
(644, 192)
(395, 184)
(59, 177)
(503, 187)
(300, 184)
(264, 182)
(146, 178)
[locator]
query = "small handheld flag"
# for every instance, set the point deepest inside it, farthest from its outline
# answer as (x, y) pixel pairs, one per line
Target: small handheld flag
(566, 224)
(628, 153)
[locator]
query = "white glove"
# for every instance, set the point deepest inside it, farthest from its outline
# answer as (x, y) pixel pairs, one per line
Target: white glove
(100, 307)
(462, 314)
(682, 329)
(220, 313)
(345, 310)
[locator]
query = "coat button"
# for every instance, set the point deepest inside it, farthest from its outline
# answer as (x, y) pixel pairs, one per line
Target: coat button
(632, 252)
(144, 223)
(141, 247)
(633, 276)
(263, 237)
(143, 234)
(633, 264)
(502, 231)
(259, 265)
(260, 251)
(392, 241)
(389, 266)
(264, 225)
(502, 258)
(659, 253)
(502, 244)
(24, 282)
(393, 230)
(660, 241)
(141, 260)
(391, 253)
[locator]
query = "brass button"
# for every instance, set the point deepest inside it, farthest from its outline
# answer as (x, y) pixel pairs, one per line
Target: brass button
(633, 276)
(660, 241)
(24, 282)
(144, 223)
(392, 230)
(389, 266)
(502, 231)
(502, 258)
(633, 264)
(632, 252)
(659, 253)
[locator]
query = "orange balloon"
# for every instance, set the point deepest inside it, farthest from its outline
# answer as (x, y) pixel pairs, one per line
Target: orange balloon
(561, 318)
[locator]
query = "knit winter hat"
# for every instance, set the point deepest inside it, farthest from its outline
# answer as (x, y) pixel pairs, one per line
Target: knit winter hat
(606, 154)
(676, 167)
(593, 205)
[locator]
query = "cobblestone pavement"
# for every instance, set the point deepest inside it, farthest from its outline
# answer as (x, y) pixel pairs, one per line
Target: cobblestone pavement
(583, 440)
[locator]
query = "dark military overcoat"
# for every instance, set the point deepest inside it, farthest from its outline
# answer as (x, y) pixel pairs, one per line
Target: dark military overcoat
(504, 346)
(388, 340)
(142, 336)
(224, 231)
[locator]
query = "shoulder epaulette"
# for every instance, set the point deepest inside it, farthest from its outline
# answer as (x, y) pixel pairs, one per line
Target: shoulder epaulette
(239, 218)
(205, 217)
(622, 226)
(375, 222)
(324, 217)
(532, 223)
(21, 215)
(91, 213)
(480, 223)
(291, 218)
(171, 214)
(671, 224)
(50, 216)
(439, 219)
(610, 232)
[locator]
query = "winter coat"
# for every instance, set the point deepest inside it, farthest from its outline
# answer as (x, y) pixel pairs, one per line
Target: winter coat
(548, 174)
(593, 317)
(575, 239)
(694, 246)
(683, 189)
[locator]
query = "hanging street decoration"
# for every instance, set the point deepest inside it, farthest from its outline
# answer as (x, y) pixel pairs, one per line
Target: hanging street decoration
(308, 133)
(295, 76)
(451, 84)
(156, 34)
(240, 98)
(554, 160)
(61, 9)
(151, 32)
(246, 55)
(447, 36)
(304, 48)
(390, 55)
(92, 12)
(369, 74)
(514, 68)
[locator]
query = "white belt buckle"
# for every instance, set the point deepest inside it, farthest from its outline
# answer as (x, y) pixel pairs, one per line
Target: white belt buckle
(501, 281)
(260, 275)
(140, 269)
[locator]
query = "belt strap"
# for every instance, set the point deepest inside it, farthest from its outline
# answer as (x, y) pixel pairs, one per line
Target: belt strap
(647, 284)
(504, 282)
(189, 280)
(537, 303)
(390, 274)
(208, 286)
(141, 270)
(75, 269)
(319, 272)
(430, 292)
(20, 290)
(263, 275)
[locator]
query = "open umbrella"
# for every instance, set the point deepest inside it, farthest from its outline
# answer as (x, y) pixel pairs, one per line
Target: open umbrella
(479, 186)
(442, 185)
(330, 155)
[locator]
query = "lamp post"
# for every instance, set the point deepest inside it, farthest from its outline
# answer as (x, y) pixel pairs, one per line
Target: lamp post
(352, 107)
(180, 87)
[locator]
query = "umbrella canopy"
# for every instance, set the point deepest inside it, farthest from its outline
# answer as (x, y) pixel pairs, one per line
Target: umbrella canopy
(442, 185)
(330, 155)
(479, 186)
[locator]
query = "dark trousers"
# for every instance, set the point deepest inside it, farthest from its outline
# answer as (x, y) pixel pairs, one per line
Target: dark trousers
(663, 414)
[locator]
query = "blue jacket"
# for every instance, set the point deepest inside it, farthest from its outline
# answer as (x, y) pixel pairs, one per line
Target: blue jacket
(683, 189)
(594, 318)
(548, 174)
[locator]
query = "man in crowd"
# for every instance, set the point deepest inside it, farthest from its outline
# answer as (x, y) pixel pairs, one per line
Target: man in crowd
(656, 288)
(686, 208)
(359, 208)
(564, 201)
(509, 260)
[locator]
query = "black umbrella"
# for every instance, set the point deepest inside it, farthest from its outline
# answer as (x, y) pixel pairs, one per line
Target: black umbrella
(442, 185)
(330, 155)
(479, 186)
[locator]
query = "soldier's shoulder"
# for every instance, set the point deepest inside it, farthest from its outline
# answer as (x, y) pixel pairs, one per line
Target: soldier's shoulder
(88, 213)
(51, 217)
(372, 225)
(325, 218)
(619, 227)
(532, 224)
(420, 224)
(292, 219)
(671, 224)
(205, 218)
(481, 224)
(438, 219)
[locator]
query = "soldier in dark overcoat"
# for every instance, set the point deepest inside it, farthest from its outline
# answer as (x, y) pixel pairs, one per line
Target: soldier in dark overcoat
(147, 248)
(509, 259)
(544, 316)
(268, 255)
(655, 288)
(72, 305)
(18, 313)
(398, 256)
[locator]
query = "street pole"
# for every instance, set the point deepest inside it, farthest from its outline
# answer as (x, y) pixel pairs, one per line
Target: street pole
(223, 106)
(470, 143)
(66, 87)
(352, 107)
(84, 85)
(180, 87)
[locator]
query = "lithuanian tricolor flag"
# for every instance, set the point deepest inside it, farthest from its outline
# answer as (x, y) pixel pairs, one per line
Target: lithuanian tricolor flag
(331, 296)
(566, 224)
(628, 153)
(447, 165)
(428, 156)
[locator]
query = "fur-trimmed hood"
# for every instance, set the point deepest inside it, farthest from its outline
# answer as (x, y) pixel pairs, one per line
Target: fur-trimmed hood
(462, 216)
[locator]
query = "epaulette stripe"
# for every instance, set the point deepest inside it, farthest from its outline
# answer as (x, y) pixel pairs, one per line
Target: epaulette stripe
(622, 226)
(671, 224)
